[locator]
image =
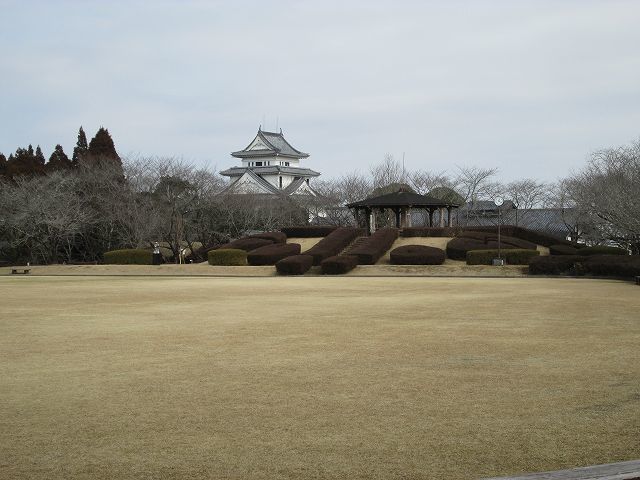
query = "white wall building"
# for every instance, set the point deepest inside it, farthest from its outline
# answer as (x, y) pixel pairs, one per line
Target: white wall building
(270, 165)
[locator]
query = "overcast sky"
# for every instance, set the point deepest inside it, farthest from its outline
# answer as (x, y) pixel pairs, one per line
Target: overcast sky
(528, 87)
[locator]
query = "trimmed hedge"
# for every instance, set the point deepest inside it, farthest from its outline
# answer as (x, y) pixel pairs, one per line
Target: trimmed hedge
(511, 256)
(128, 256)
(275, 237)
(627, 266)
(409, 232)
(458, 247)
(338, 264)
(270, 254)
(507, 240)
(613, 265)
(562, 250)
(247, 244)
(417, 255)
(227, 257)
(334, 243)
(369, 251)
(524, 234)
(309, 231)
(554, 264)
(294, 265)
(603, 250)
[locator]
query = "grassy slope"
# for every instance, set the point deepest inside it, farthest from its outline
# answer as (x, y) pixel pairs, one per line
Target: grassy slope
(353, 378)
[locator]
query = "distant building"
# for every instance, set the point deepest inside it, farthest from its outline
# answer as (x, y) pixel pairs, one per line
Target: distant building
(270, 165)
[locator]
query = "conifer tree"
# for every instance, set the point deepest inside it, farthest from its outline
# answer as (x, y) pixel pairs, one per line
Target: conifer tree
(24, 162)
(39, 156)
(58, 160)
(101, 146)
(3, 164)
(81, 149)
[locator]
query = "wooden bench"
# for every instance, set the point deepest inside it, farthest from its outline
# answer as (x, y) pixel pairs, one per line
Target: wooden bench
(20, 271)
(611, 471)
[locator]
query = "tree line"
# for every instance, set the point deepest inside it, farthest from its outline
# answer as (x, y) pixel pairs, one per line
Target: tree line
(74, 210)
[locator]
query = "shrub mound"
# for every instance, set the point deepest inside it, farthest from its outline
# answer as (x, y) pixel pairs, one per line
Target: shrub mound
(270, 254)
(294, 265)
(524, 234)
(333, 243)
(554, 264)
(369, 251)
(417, 255)
(458, 247)
(338, 264)
(409, 232)
(275, 237)
(309, 231)
(562, 250)
(515, 256)
(128, 256)
(227, 257)
(603, 250)
(613, 265)
(247, 244)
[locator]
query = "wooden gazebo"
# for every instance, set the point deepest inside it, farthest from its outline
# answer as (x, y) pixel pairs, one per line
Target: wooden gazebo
(401, 203)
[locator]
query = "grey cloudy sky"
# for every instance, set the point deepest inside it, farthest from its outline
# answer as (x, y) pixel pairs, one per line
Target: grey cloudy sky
(529, 87)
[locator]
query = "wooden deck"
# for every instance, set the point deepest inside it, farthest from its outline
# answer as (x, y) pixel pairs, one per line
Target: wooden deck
(611, 471)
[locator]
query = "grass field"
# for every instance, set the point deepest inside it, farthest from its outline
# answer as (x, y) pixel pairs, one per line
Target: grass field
(455, 378)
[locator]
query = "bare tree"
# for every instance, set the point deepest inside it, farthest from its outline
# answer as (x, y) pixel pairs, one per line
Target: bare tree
(387, 172)
(475, 183)
(423, 182)
(526, 194)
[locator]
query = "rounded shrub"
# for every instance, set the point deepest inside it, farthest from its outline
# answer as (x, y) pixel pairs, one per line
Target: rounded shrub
(554, 264)
(417, 255)
(227, 257)
(270, 254)
(562, 250)
(338, 264)
(603, 250)
(373, 247)
(627, 266)
(247, 244)
(334, 243)
(128, 256)
(294, 265)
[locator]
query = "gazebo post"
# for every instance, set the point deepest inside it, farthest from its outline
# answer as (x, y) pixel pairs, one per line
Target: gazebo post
(431, 217)
(441, 215)
(368, 220)
(397, 212)
(449, 222)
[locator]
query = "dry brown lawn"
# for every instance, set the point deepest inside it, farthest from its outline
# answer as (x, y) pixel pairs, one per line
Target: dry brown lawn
(283, 378)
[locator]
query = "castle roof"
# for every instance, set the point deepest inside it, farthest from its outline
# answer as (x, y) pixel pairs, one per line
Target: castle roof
(268, 144)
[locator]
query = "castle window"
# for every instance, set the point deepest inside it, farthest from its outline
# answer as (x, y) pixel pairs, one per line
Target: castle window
(258, 164)
(280, 183)
(286, 164)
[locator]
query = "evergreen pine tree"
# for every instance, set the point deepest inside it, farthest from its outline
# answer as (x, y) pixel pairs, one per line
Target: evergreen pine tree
(24, 162)
(58, 160)
(101, 146)
(81, 149)
(39, 156)
(3, 164)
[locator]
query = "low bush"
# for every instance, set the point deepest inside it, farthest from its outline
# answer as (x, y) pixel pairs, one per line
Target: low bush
(275, 237)
(294, 265)
(627, 266)
(562, 250)
(270, 254)
(524, 234)
(458, 247)
(338, 264)
(603, 250)
(554, 264)
(409, 232)
(128, 256)
(369, 251)
(514, 256)
(334, 243)
(247, 244)
(309, 231)
(227, 257)
(417, 255)
(505, 240)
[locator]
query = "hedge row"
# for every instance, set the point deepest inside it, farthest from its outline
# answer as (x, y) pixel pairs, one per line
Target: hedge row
(417, 255)
(338, 264)
(375, 246)
(128, 256)
(227, 257)
(511, 256)
(275, 237)
(488, 237)
(562, 250)
(603, 250)
(270, 254)
(333, 243)
(409, 232)
(605, 265)
(524, 234)
(308, 231)
(247, 244)
(294, 265)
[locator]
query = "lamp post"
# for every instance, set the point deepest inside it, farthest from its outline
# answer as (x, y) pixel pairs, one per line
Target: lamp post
(498, 261)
